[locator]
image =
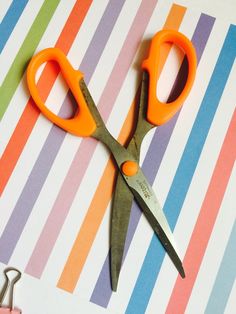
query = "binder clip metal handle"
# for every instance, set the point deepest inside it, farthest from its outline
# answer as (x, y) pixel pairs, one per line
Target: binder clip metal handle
(9, 284)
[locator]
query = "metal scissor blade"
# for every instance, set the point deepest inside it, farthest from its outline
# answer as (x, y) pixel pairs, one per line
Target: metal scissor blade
(119, 225)
(121, 209)
(123, 197)
(147, 200)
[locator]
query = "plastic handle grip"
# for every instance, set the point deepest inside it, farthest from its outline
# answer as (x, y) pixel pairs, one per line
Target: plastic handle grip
(82, 124)
(159, 112)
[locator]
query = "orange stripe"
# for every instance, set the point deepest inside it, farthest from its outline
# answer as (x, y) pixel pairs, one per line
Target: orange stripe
(175, 17)
(103, 194)
(205, 222)
(30, 114)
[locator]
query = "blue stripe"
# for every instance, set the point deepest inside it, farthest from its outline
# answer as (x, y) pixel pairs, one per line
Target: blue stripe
(179, 188)
(10, 19)
(225, 278)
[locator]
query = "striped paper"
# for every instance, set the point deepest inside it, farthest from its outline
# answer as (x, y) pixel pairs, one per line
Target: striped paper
(56, 189)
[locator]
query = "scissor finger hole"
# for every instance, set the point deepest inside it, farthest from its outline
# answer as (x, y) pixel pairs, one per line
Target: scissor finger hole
(54, 91)
(173, 73)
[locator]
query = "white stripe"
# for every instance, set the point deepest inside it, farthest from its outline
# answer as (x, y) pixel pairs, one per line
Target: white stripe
(4, 8)
(61, 165)
(18, 35)
(160, 296)
(215, 250)
(169, 73)
(21, 95)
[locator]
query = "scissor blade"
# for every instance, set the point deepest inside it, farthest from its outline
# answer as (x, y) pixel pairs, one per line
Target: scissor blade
(121, 209)
(147, 200)
(123, 197)
(119, 225)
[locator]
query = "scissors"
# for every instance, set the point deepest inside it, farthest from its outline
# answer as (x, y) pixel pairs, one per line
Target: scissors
(87, 121)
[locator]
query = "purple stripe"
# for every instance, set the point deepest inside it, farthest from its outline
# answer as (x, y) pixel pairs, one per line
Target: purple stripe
(43, 164)
(100, 38)
(102, 291)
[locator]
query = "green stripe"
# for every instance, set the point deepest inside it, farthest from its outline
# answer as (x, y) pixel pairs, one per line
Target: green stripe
(26, 51)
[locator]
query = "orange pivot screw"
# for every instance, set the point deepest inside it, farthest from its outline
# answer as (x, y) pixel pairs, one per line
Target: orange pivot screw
(129, 168)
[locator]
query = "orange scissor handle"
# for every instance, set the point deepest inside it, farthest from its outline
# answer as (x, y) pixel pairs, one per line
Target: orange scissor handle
(157, 111)
(82, 124)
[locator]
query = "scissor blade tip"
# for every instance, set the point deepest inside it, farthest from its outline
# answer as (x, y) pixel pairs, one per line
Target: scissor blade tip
(182, 272)
(114, 288)
(114, 277)
(114, 284)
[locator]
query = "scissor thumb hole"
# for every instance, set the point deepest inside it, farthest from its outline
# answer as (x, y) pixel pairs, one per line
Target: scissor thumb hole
(172, 73)
(62, 101)
(160, 112)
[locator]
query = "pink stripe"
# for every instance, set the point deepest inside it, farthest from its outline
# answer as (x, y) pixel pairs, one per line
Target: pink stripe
(205, 222)
(87, 147)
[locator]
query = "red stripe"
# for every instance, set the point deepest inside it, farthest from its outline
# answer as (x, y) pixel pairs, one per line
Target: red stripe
(205, 222)
(30, 114)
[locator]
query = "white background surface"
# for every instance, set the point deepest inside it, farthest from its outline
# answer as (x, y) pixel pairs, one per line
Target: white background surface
(224, 9)
(48, 299)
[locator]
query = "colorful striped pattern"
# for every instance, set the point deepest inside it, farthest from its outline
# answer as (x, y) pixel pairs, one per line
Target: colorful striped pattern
(55, 199)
